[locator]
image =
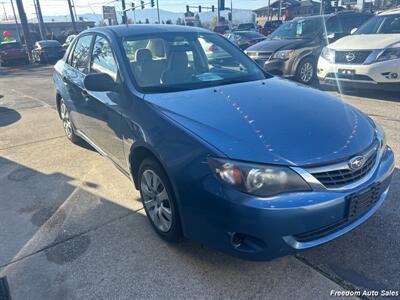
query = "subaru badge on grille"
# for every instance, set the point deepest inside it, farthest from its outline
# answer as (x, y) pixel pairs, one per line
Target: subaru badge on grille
(357, 162)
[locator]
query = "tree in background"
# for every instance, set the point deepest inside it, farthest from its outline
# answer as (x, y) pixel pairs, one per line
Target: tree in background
(168, 22)
(147, 21)
(197, 20)
(213, 22)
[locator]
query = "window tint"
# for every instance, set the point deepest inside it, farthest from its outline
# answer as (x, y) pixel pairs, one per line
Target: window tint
(80, 56)
(381, 25)
(350, 22)
(103, 60)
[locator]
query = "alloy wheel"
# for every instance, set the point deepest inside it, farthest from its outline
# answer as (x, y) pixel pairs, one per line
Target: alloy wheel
(156, 200)
(66, 121)
(306, 72)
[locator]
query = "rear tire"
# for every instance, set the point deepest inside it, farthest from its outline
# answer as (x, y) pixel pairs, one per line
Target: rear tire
(306, 71)
(159, 200)
(69, 127)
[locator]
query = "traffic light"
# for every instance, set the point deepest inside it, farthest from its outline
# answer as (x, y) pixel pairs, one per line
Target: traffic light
(212, 8)
(142, 4)
(199, 8)
(187, 8)
(133, 6)
(229, 16)
(152, 3)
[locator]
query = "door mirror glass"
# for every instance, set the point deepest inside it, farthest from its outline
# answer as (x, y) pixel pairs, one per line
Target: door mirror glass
(99, 82)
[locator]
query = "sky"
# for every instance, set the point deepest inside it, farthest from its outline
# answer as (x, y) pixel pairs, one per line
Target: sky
(60, 7)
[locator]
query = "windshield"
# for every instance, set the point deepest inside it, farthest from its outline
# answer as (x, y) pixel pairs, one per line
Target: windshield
(183, 61)
(381, 25)
(297, 29)
(247, 26)
(250, 35)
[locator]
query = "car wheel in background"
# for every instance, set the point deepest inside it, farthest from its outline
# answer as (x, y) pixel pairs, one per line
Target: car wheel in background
(306, 71)
(159, 200)
(67, 124)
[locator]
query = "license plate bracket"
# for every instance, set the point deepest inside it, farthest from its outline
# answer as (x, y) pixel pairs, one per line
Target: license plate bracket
(361, 201)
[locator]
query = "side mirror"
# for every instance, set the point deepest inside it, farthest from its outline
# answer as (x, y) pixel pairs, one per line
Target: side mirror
(353, 30)
(99, 82)
(331, 36)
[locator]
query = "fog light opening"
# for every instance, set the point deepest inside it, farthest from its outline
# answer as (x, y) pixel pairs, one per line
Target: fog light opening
(237, 239)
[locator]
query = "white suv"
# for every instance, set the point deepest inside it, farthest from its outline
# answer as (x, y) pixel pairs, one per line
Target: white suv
(368, 58)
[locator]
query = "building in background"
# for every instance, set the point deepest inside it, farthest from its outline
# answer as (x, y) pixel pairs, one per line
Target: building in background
(289, 9)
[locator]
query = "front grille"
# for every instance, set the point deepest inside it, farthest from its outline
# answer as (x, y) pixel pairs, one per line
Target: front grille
(337, 178)
(259, 54)
(357, 205)
(351, 57)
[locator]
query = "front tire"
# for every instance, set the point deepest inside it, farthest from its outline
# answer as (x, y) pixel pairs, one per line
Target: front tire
(306, 71)
(159, 201)
(69, 128)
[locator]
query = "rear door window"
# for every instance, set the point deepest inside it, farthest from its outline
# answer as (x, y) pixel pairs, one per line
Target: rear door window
(80, 55)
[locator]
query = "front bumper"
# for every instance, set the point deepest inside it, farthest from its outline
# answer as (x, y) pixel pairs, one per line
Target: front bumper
(370, 76)
(277, 67)
(261, 229)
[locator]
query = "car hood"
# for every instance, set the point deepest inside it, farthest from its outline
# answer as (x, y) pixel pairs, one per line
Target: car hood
(271, 45)
(365, 41)
(270, 121)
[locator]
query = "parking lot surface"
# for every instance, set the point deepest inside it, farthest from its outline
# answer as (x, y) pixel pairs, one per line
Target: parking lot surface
(73, 227)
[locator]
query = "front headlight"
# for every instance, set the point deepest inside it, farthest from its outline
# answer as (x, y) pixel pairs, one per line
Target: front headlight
(389, 54)
(328, 54)
(258, 180)
(380, 134)
(283, 54)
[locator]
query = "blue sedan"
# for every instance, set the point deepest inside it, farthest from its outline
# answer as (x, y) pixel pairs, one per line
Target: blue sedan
(221, 152)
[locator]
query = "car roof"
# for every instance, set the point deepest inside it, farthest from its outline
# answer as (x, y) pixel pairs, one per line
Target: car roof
(390, 12)
(139, 29)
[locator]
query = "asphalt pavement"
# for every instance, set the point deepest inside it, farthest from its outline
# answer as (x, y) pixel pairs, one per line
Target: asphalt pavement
(73, 227)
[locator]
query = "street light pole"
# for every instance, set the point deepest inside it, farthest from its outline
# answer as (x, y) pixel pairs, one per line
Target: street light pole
(25, 28)
(158, 12)
(4, 9)
(39, 16)
(71, 12)
(124, 17)
(16, 21)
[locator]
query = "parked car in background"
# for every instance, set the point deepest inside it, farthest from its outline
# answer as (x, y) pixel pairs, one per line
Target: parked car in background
(269, 27)
(247, 27)
(245, 39)
(221, 152)
(47, 51)
(13, 52)
(369, 58)
(68, 41)
(222, 29)
(293, 50)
